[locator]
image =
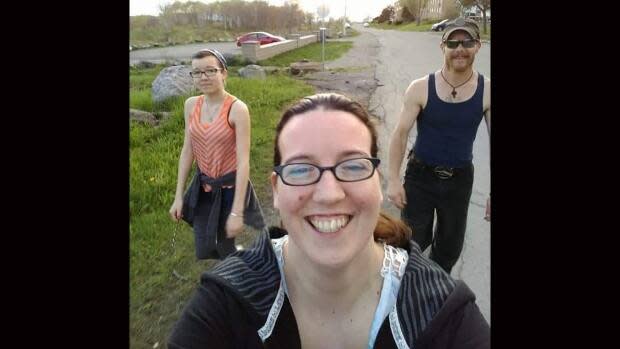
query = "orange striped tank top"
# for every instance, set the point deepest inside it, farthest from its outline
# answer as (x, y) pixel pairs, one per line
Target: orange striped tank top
(213, 143)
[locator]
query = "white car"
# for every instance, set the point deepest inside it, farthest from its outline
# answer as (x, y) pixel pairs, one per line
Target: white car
(366, 24)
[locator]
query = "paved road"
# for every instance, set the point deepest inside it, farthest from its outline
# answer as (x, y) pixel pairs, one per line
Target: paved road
(402, 57)
(180, 52)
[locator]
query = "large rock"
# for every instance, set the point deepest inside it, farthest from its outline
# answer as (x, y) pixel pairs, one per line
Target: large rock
(252, 71)
(272, 70)
(143, 117)
(171, 82)
(145, 65)
(147, 118)
(305, 66)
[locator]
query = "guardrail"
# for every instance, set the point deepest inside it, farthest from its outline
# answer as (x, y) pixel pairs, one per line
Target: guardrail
(254, 52)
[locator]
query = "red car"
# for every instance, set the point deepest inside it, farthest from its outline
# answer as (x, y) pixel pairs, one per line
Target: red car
(262, 37)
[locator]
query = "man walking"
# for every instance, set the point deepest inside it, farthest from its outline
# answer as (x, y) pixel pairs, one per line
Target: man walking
(448, 106)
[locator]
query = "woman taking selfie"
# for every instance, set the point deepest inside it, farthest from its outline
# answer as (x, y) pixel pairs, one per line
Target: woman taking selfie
(338, 273)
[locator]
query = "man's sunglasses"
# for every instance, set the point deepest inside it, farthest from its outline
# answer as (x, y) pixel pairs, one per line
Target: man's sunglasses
(469, 43)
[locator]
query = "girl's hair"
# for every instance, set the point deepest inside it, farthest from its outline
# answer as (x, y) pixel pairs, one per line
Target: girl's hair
(210, 52)
(389, 230)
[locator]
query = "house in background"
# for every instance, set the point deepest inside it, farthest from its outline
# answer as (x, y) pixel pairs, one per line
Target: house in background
(475, 13)
(440, 9)
(434, 10)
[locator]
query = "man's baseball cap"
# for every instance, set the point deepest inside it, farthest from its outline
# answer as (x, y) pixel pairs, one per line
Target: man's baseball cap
(460, 23)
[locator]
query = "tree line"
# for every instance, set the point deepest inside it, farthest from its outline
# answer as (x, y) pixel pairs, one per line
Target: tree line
(232, 15)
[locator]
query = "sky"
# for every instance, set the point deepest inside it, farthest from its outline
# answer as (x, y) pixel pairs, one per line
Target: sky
(357, 10)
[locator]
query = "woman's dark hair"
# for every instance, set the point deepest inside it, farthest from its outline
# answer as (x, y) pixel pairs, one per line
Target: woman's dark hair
(328, 101)
(210, 52)
(389, 230)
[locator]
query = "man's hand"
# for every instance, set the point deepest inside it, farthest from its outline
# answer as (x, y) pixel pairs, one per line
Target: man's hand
(396, 194)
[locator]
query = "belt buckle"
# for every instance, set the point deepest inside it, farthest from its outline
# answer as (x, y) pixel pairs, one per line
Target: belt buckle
(443, 172)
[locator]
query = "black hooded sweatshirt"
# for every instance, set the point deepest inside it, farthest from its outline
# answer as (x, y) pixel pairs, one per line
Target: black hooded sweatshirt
(240, 304)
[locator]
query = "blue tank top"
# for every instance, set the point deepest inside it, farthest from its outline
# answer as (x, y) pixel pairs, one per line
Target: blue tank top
(446, 131)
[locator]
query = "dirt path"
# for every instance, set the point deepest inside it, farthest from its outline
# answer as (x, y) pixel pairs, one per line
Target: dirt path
(352, 74)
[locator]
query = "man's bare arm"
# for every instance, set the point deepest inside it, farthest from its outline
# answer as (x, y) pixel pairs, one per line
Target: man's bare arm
(412, 104)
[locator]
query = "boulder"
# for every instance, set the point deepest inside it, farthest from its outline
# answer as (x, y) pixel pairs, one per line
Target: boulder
(303, 67)
(144, 65)
(252, 71)
(147, 118)
(171, 82)
(271, 70)
(143, 117)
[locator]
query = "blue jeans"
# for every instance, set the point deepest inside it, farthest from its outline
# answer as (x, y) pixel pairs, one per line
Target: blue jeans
(428, 194)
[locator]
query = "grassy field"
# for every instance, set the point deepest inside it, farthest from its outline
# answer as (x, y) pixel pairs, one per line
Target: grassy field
(333, 50)
(157, 296)
(486, 36)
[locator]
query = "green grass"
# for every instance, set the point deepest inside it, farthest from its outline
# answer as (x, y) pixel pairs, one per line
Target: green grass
(312, 52)
(140, 80)
(157, 297)
(383, 25)
(141, 100)
(411, 26)
(486, 36)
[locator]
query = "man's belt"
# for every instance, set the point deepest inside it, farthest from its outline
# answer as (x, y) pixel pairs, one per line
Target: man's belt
(442, 172)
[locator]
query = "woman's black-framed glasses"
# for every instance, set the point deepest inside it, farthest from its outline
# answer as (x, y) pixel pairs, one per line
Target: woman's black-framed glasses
(196, 74)
(469, 43)
(350, 170)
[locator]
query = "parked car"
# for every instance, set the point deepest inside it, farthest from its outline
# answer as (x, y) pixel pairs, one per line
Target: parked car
(439, 26)
(366, 24)
(262, 37)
